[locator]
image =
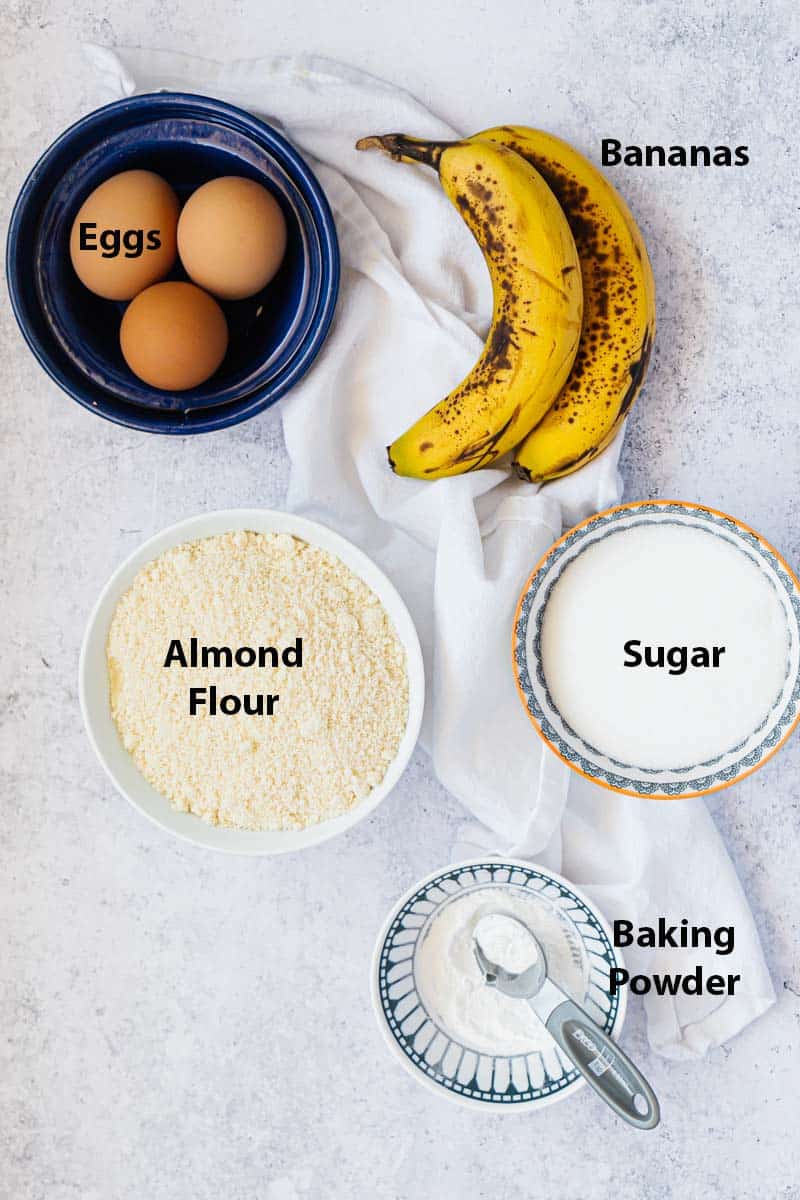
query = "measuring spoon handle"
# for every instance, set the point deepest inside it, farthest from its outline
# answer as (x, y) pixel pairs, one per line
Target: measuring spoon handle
(604, 1066)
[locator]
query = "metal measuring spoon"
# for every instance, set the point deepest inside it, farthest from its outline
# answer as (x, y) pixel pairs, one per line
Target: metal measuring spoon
(601, 1062)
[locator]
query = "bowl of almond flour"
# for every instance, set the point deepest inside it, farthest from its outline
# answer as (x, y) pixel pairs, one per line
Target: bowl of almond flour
(251, 682)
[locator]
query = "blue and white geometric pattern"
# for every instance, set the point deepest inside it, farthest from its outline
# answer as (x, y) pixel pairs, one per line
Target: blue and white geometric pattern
(428, 1049)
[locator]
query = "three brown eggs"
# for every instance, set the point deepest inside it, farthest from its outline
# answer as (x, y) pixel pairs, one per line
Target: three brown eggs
(230, 237)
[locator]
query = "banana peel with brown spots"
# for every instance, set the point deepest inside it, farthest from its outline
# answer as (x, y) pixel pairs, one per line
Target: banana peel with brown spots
(538, 306)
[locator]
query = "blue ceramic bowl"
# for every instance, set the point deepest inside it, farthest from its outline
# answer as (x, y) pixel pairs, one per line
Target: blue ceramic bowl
(274, 336)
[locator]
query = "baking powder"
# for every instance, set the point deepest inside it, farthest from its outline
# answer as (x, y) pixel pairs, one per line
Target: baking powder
(452, 986)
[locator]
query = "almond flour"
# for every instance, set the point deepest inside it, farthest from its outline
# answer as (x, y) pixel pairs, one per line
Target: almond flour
(336, 721)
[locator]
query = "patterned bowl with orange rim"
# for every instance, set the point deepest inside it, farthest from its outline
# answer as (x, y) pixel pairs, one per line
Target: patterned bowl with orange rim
(663, 782)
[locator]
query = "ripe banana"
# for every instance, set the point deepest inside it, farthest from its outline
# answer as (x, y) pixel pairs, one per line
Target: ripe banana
(536, 324)
(619, 309)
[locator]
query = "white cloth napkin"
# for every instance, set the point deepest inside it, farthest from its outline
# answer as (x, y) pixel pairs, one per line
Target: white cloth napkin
(414, 302)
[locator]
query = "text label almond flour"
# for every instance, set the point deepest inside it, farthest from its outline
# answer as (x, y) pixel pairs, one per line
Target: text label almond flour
(206, 700)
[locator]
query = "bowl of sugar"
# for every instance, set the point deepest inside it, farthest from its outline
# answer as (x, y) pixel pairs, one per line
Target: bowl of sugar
(440, 1020)
(251, 682)
(656, 649)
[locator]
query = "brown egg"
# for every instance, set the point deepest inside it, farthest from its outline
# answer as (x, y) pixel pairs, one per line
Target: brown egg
(124, 236)
(232, 237)
(173, 336)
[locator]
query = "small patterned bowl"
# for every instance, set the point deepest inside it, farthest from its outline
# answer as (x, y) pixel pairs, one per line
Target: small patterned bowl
(414, 1034)
(662, 783)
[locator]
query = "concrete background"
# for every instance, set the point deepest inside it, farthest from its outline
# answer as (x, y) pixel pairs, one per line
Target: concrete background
(166, 1032)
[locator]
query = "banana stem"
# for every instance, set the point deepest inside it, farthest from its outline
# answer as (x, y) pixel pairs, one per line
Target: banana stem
(402, 148)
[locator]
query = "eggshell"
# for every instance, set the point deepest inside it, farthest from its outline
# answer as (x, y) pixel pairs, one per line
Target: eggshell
(173, 336)
(232, 237)
(141, 205)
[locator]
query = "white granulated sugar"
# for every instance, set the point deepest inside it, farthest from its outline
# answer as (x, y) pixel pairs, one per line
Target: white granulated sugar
(670, 586)
(340, 717)
(452, 986)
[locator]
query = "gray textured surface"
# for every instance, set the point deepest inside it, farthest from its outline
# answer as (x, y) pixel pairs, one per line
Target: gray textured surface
(166, 1033)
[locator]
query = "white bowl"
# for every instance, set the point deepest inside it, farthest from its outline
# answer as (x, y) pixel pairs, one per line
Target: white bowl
(431, 1053)
(96, 709)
